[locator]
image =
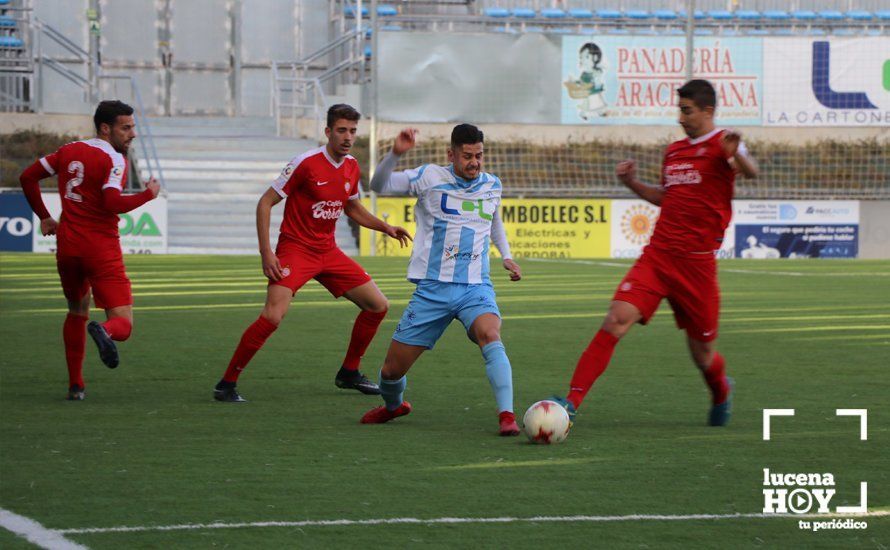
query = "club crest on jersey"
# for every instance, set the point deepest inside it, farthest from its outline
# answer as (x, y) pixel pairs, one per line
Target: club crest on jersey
(286, 271)
(346, 187)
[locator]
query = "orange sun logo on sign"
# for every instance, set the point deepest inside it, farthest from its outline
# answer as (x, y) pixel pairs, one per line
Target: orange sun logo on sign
(638, 222)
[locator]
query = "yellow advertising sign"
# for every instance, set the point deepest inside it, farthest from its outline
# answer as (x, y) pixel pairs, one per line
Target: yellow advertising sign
(536, 228)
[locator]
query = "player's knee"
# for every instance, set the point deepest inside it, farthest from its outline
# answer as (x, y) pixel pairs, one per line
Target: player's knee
(488, 335)
(702, 358)
(125, 329)
(273, 315)
(379, 306)
(617, 324)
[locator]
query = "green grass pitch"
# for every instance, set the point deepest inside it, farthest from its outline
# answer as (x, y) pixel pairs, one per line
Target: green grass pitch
(150, 448)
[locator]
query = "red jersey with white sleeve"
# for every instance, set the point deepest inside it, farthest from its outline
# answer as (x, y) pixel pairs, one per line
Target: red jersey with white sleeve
(85, 169)
(697, 206)
(316, 189)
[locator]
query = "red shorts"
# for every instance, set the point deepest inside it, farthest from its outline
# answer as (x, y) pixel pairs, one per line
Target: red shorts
(336, 271)
(689, 284)
(105, 275)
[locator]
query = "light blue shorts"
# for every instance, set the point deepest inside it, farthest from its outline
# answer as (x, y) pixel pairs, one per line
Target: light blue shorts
(435, 304)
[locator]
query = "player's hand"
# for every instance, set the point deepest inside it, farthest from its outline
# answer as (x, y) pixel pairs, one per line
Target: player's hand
(513, 268)
(154, 187)
(271, 266)
(405, 141)
(626, 171)
(399, 233)
(48, 226)
(730, 141)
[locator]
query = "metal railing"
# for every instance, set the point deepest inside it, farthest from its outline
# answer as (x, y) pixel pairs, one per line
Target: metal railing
(294, 98)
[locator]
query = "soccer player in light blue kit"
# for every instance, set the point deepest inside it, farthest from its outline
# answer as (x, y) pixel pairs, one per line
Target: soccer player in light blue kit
(457, 218)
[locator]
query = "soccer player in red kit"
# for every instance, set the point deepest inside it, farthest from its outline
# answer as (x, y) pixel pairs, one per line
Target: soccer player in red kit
(91, 174)
(318, 186)
(695, 195)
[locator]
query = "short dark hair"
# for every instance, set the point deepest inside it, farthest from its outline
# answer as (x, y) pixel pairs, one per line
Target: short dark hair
(701, 92)
(108, 111)
(342, 111)
(466, 134)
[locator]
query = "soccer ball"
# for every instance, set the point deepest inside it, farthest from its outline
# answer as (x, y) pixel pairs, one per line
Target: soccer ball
(546, 422)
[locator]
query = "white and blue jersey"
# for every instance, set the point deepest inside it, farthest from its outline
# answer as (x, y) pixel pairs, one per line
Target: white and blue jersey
(454, 225)
(457, 220)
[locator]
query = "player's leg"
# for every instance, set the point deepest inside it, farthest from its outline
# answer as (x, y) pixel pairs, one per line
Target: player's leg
(713, 368)
(373, 305)
(112, 292)
(74, 335)
(422, 323)
(393, 380)
(485, 331)
(696, 305)
(596, 357)
(278, 300)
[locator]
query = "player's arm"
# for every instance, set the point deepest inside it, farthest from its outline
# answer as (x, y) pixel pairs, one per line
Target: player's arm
(114, 201)
(271, 265)
(386, 181)
(738, 155)
(355, 210)
(30, 182)
(499, 238)
(627, 173)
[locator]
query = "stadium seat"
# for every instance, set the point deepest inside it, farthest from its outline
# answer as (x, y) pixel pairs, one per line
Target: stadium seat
(748, 15)
(703, 31)
(804, 15)
(860, 15)
(729, 31)
(831, 15)
(845, 31)
(523, 13)
(589, 30)
(608, 14)
(553, 13)
(674, 31)
(665, 15)
(350, 11)
(776, 15)
(579, 13)
(883, 15)
(814, 32)
(756, 32)
(646, 31)
(387, 11)
(560, 30)
(721, 15)
(873, 32)
(783, 31)
(7, 22)
(699, 14)
(618, 31)
(496, 12)
(368, 52)
(10, 42)
(637, 14)
(534, 28)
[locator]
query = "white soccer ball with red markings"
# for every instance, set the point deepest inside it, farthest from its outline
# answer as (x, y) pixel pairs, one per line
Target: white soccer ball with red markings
(546, 422)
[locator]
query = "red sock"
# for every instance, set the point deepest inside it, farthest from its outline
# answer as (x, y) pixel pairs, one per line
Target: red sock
(74, 335)
(363, 332)
(118, 328)
(715, 377)
(251, 341)
(591, 365)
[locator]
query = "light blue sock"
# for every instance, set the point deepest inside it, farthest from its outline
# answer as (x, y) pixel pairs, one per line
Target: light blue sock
(500, 375)
(392, 391)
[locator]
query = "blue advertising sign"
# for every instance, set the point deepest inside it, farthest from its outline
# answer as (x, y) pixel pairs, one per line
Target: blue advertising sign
(797, 241)
(15, 223)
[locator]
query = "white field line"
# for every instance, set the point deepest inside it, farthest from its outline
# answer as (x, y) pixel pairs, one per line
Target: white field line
(35, 533)
(450, 521)
(727, 269)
